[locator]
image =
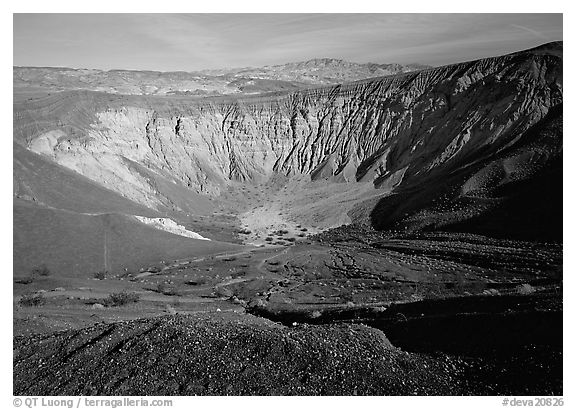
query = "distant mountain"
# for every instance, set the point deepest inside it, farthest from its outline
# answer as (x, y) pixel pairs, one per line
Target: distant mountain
(323, 71)
(286, 77)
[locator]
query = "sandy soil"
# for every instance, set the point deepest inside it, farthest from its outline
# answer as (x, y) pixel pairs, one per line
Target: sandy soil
(282, 211)
(269, 222)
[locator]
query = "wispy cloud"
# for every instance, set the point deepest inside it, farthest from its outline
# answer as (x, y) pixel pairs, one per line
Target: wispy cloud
(196, 41)
(531, 31)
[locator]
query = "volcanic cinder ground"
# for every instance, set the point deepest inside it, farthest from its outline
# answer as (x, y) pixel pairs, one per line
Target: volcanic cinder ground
(290, 234)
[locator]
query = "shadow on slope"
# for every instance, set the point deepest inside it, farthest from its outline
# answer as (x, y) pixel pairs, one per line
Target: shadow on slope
(516, 194)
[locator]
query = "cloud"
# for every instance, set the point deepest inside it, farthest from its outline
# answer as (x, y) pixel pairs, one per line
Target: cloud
(531, 31)
(191, 42)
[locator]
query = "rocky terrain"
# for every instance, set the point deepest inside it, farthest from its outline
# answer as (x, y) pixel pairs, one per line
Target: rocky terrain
(228, 355)
(396, 235)
(189, 355)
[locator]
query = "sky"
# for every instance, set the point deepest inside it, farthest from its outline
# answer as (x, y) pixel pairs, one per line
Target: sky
(189, 42)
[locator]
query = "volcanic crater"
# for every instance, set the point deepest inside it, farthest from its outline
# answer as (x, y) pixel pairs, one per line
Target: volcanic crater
(392, 235)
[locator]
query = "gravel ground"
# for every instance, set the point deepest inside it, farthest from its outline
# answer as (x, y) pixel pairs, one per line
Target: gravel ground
(226, 354)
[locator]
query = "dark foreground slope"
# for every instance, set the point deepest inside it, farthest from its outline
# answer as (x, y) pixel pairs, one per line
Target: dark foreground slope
(232, 355)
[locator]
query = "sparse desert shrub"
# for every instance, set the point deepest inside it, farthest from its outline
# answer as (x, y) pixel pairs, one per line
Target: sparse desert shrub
(198, 281)
(525, 289)
(42, 271)
(303, 229)
(121, 298)
(229, 259)
(257, 303)
(290, 239)
(100, 275)
(32, 300)
(269, 238)
(315, 314)
(170, 310)
(346, 297)
(166, 289)
(301, 235)
(223, 292)
(24, 280)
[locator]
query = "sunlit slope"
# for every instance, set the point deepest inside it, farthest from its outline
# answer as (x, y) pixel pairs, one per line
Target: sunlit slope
(77, 227)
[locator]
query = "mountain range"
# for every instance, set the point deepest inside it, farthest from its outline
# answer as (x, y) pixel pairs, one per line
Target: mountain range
(291, 76)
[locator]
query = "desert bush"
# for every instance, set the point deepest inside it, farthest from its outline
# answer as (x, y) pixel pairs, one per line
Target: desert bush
(291, 239)
(525, 289)
(24, 280)
(198, 281)
(223, 292)
(121, 298)
(42, 271)
(100, 275)
(315, 314)
(166, 289)
(304, 229)
(269, 238)
(32, 300)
